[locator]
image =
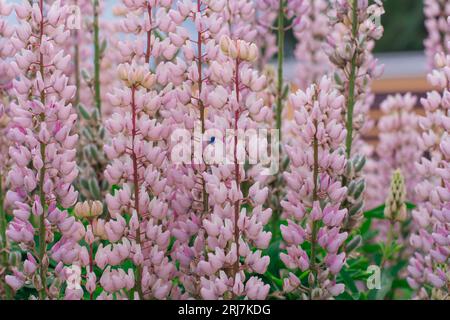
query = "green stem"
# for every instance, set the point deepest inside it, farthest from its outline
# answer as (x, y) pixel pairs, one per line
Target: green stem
(279, 103)
(77, 64)
(389, 240)
(352, 80)
(42, 242)
(136, 178)
(280, 66)
(77, 72)
(3, 242)
(98, 102)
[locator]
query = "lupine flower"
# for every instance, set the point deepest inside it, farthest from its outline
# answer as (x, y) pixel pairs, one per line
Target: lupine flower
(87, 212)
(6, 72)
(196, 99)
(138, 157)
(91, 70)
(431, 217)
(149, 226)
(313, 62)
(436, 13)
(397, 147)
(267, 12)
(136, 165)
(43, 150)
(280, 16)
(350, 45)
(315, 193)
(235, 237)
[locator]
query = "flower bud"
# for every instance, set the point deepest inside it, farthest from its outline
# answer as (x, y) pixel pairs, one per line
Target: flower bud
(395, 207)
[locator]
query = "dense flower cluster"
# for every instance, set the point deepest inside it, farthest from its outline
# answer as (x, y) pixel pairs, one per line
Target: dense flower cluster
(6, 51)
(398, 147)
(140, 158)
(43, 150)
(235, 237)
(309, 52)
(315, 193)
(436, 13)
(355, 27)
(93, 79)
(429, 264)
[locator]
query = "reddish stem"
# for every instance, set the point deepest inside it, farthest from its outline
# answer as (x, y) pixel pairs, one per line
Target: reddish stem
(42, 229)
(236, 170)
(149, 34)
(134, 158)
(200, 102)
(91, 265)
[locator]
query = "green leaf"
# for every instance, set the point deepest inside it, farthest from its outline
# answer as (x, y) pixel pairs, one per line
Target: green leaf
(93, 151)
(85, 75)
(94, 188)
(84, 183)
(353, 244)
(350, 284)
(278, 282)
(386, 285)
(365, 227)
(103, 47)
(410, 206)
(273, 251)
(83, 112)
(286, 91)
(376, 213)
(337, 79)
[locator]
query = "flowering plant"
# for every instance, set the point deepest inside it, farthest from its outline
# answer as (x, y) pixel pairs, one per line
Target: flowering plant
(161, 155)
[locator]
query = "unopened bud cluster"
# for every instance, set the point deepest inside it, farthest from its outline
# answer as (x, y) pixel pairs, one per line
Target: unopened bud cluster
(395, 206)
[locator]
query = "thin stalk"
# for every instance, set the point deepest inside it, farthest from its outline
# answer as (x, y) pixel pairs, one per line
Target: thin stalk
(98, 101)
(280, 83)
(42, 241)
(42, 231)
(200, 102)
(149, 35)
(4, 242)
(315, 198)
(77, 68)
(351, 86)
(389, 240)
(279, 100)
(280, 65)
(91, 264)
(237, 205)
(138, 285)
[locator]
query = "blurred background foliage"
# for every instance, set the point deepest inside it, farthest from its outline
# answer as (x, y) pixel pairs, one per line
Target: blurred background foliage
(404, 26)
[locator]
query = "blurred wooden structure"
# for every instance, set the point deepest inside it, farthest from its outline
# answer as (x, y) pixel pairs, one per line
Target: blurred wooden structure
(417, 85)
